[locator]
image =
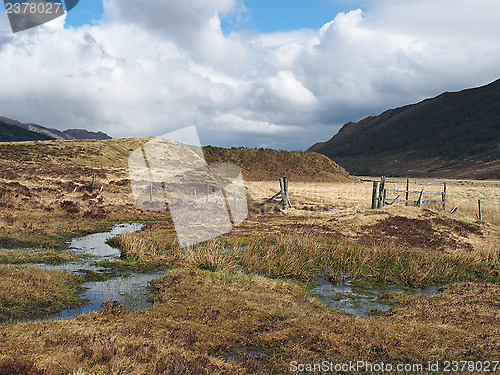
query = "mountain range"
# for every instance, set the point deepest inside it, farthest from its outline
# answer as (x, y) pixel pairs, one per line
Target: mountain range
(15, 131)
(454, 135)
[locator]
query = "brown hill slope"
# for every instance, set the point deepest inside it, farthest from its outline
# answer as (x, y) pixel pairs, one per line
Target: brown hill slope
(455, 135)
(256, 164)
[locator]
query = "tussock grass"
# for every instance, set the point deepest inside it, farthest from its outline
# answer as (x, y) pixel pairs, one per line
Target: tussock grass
(305, 256)
(27, 292)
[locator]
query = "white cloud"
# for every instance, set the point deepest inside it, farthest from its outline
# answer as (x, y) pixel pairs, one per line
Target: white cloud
(153, 66)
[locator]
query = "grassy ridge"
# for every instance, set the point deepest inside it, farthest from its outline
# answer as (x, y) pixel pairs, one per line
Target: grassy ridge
(256, 164)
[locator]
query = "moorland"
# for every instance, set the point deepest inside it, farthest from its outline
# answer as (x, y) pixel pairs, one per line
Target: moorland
(242, 303)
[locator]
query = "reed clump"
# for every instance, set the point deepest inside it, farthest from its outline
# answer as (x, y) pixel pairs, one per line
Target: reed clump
(306, 256)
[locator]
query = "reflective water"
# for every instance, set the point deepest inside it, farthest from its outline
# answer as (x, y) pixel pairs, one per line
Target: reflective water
(95, 244)
(360, 300)
(130, 289)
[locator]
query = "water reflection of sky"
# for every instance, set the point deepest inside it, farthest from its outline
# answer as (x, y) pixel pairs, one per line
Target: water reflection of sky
(130, 291)
(360, 301)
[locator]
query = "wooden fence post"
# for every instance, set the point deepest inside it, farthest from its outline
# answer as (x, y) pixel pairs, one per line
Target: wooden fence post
(381, 191)
(383, 198)
(444, 196)
(480, 210)
(407, 190)
(421, 198)
(93, 182)
(221, 197)
(374, 195)
(285, 193)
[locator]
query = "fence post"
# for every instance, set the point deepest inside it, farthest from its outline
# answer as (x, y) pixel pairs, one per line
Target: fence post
(480, 210)
(444, 196)
(282, 188)
(221, 197)
(381, 191)
(407, 190)
(374, 195)
(421, 198)
(93, 182)
(285, 193)
(384, 196)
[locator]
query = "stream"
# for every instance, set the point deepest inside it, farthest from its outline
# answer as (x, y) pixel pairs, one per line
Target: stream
(130, 289)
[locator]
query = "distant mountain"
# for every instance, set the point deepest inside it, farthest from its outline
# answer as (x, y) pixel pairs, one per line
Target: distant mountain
(13, 133)
(454, 135)
(38, 132)
(85, 134)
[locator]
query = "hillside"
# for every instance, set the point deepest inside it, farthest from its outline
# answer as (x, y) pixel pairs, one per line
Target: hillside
(256, 164)
(38, 132)
(12, 133)
(266, 164)
(455, 135)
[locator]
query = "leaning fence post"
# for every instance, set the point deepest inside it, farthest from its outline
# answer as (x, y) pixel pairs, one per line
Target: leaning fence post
(444, 196)
(421, 198)
(221, 197)
(480, 210)
(374, 195)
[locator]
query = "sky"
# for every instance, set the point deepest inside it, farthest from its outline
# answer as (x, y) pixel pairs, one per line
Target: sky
(279, 74)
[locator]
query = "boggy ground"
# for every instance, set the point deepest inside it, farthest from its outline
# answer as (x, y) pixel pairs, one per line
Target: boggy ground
(407, 246)
(238, 304)
(215, 323)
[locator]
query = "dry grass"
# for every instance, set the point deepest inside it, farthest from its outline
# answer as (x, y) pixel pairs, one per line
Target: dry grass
(307, 255)
(253, 315)
(351, 196)
(40, 207)
(28, 256)
(206, 323)
(27, 292)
